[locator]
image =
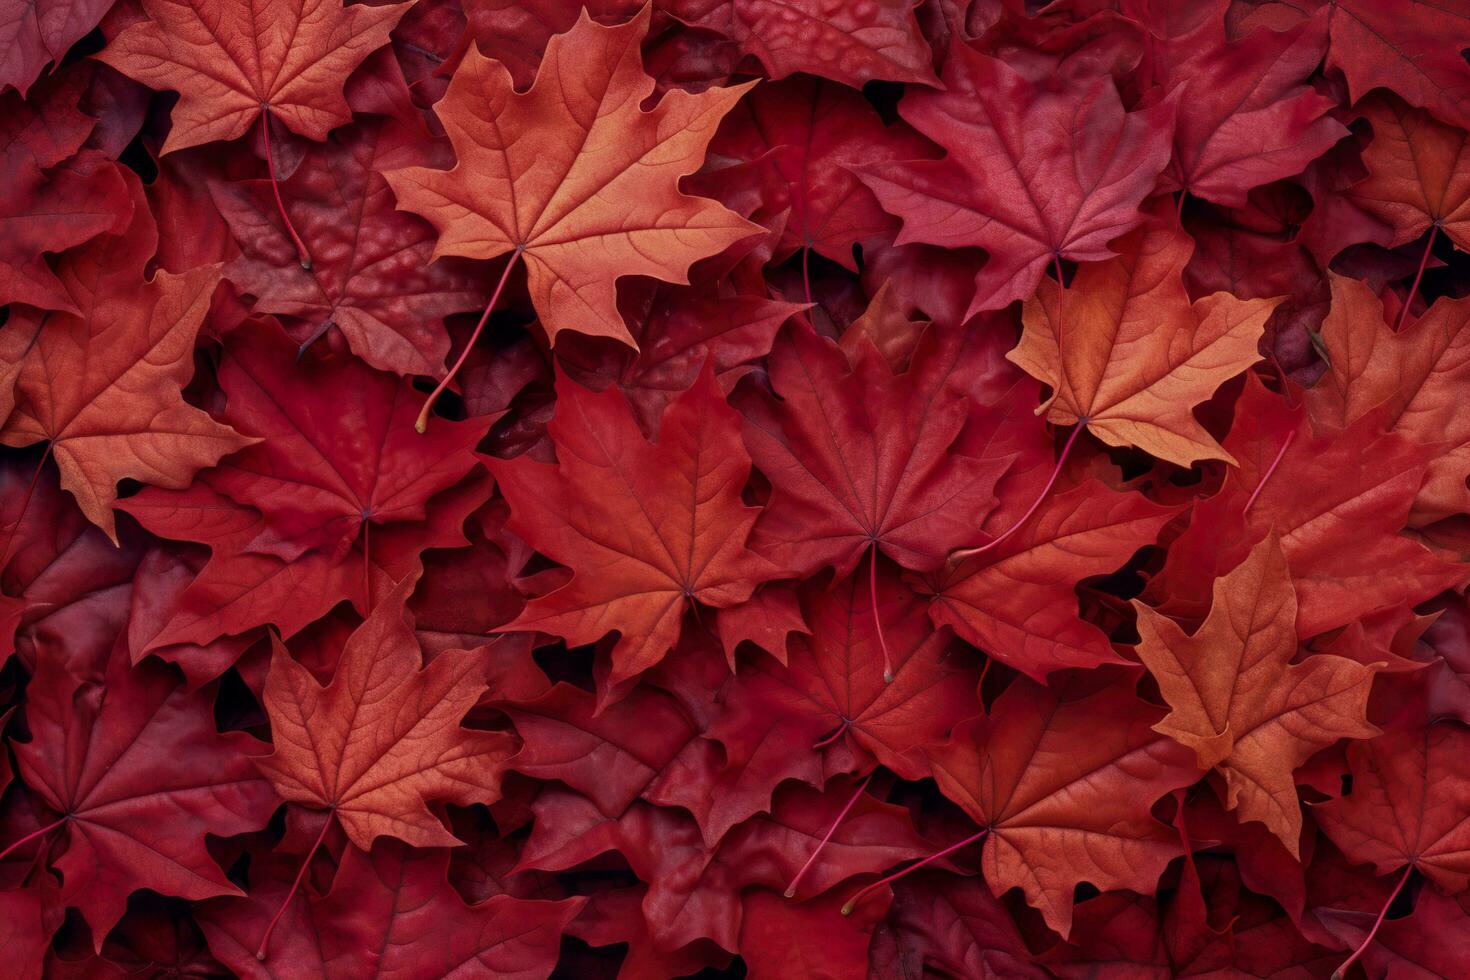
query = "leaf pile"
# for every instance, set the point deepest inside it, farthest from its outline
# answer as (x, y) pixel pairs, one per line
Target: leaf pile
(900, 488)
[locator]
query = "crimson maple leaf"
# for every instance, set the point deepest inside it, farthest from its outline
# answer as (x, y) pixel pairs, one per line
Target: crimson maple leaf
(134, 766)
(648, 528)
(1033, 172)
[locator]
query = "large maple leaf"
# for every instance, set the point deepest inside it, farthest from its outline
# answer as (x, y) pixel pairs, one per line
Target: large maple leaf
(104, 385)
(1129, 356)
(648, 529)
(233, 60)
(132, 762)
(338, 450)
(1418, 173)
(384, 737)
(1018, 602)
(1238, 700)
(1064, 790)
(390, 913)
(574, 177)
(1035, 171)
(371, 276)
(1408, 804)
(860, 456)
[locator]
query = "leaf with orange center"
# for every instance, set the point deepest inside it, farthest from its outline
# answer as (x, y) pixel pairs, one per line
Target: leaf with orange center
(1418, 173)
(1065, 789)
(230, 60)
(648, 529)
(1417, 375)
(105, 384)
(1240, 703)
(574, 177)
(384, 738)
(1131, 356)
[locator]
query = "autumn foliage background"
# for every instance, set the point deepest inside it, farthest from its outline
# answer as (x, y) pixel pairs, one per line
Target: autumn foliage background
(496, 489)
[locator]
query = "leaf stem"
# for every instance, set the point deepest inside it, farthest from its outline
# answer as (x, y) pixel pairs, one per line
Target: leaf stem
(1423, 263)
(846, 724)
(852, 902)
(877, 619)
(422, 424)
(796, 881)
(302, 255)
(260, 951)
(1055, 472)
(33, 835)
(1341, 971)
(1285, 445)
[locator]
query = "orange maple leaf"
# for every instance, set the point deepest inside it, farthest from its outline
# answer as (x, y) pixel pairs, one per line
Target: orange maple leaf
(1127, 354)
(1418, 173)
(574, 177)
(229, 60)
(1240, 703)
(384, 737)
(104, 385)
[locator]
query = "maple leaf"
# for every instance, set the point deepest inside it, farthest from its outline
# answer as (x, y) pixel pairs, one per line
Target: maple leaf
(1017, 603)
(337, 448)
(832, 686)
(1418, 173)
(383, 738)
(809, 132)
(586, 181)
(1240, 703)
(1130, 357)
(859, 456)
(1414, 374)
(1007, 138)
(389, 913)
(104, 385)
(1246, 115)
(1407, 46)
(135, 767)
(371, 275)
(231, 69)
(849, 43)
(1337, 499)
(647, 528)
(1063, 789)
